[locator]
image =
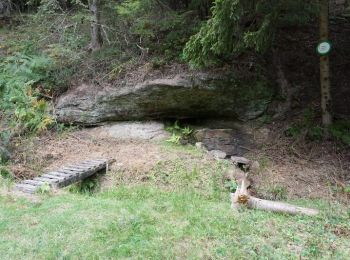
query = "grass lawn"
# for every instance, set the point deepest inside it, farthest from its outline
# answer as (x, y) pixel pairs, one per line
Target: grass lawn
(147, 222)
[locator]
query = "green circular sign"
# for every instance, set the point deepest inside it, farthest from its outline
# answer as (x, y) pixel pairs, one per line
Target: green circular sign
(323, 48)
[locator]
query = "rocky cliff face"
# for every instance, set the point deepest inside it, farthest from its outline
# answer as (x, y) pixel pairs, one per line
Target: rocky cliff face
(183, 96)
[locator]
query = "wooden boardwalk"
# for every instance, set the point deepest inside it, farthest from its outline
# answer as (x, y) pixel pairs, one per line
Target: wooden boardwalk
(65, 176)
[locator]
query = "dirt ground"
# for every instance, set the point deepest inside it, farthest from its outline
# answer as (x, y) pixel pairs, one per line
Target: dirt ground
(287, 170)
(301, 169)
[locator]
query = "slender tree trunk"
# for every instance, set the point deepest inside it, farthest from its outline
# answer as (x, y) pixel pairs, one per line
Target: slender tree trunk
(96, 30)
(325, 82)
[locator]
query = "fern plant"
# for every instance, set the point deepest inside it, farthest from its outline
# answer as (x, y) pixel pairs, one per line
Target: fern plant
(178, 133)
(20, 100)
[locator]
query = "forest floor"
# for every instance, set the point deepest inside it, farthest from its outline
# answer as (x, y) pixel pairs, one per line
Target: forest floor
(289, 168)
(161, 200)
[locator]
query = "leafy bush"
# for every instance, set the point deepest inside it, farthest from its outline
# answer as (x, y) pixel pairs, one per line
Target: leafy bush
(5, 173)
(88, 186)
(178, 133)
(341, 131)
(278, 192)
(44, 189)
(307, 127)
(231, 186)
(174, 139)
(20, 92)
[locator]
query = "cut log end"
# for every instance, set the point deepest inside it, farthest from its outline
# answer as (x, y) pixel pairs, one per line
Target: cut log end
(242, 198)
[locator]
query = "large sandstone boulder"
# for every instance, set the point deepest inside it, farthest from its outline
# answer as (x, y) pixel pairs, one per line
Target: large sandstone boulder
(183, 96)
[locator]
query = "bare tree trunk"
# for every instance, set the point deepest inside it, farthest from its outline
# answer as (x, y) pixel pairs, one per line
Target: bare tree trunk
(96, 30)
(326, 99)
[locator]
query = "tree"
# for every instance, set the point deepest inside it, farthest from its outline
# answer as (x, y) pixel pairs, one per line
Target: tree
(324, 66)
(240, 25)
(96, 28)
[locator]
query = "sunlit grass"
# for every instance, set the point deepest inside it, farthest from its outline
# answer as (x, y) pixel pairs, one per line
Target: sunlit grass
(148, 222)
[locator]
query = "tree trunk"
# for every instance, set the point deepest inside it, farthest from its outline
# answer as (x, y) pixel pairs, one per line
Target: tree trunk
(325, 82)
(96, 30)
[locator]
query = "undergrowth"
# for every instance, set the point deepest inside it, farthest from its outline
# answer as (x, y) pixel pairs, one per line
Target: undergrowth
(179, 134)
(341, 131)
(20, 94)
(39, 60)
(87, 186)
(308, 128)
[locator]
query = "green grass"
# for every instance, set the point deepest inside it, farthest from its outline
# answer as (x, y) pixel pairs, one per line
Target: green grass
(146, 222)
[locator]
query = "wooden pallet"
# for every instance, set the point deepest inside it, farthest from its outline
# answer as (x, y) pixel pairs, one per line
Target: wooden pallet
(63, 177)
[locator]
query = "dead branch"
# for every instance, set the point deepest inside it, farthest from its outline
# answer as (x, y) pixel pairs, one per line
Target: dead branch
(242, 198)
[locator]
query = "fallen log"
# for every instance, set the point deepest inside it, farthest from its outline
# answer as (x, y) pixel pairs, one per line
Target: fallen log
(242, 198)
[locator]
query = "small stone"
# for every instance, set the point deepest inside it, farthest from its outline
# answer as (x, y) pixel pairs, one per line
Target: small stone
(218, 154)
(184, 141)
(240, 160)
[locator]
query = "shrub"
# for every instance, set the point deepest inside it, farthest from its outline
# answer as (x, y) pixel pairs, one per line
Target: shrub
(20, 92)
(179, 133)
(341, 131)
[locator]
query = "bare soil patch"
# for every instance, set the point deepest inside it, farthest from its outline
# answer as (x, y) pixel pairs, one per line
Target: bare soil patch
(296, 168)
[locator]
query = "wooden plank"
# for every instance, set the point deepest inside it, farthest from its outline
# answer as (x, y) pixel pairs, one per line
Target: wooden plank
(34, 183)
(72, 175)
(61, 174)
(74, 169)
(67, 172)
(26, 188)
(64, 169)
(90, 165)
(60, 178)
(80, 167)
(48, 180)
